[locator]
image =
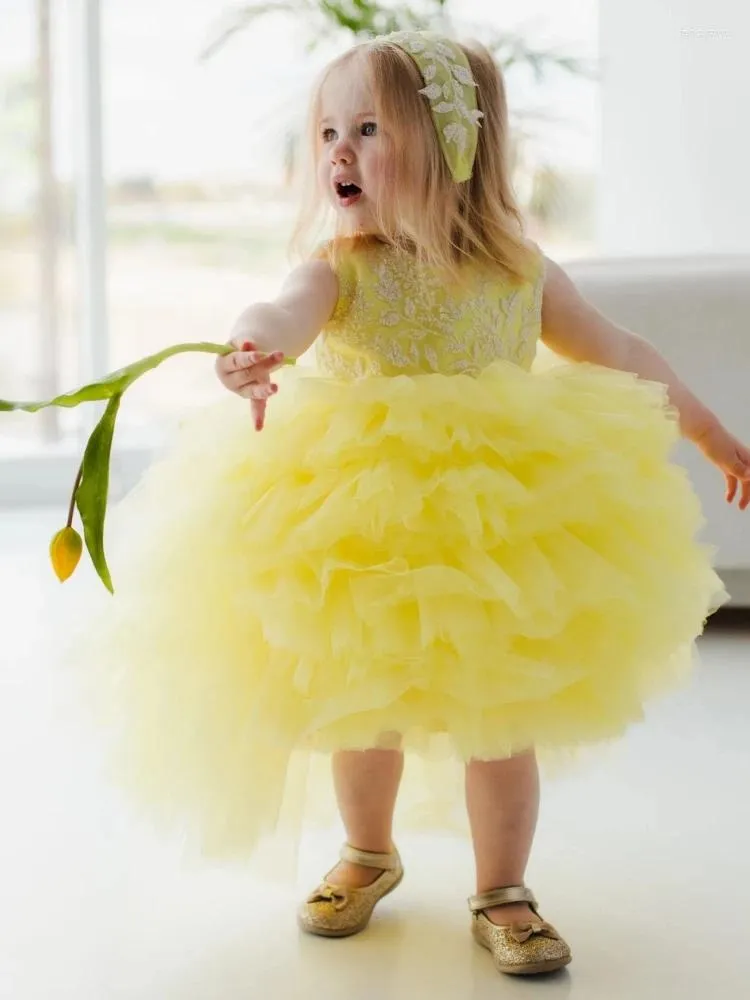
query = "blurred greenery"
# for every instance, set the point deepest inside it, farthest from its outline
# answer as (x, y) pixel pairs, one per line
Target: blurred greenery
(362, 19)
(201, 245)
(249, 245)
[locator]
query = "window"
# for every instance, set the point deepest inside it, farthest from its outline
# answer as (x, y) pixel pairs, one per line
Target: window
(554, 119)
(198, 209)
(199, 203)
(38, 274)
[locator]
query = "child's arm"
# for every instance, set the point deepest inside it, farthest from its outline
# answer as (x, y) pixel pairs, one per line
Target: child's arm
(574, 329)
(268, 331)
(294, 319)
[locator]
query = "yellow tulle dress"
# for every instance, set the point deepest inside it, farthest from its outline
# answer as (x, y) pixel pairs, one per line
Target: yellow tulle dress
(431, 544)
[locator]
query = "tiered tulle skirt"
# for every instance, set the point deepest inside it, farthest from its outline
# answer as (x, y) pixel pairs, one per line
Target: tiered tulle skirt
(480, 563)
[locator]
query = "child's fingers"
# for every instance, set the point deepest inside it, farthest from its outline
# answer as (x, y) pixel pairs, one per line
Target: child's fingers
(237, 344)
(256, 388)
(252, 358)
(247, 371)
(265, 363)
(239, 381)
(258, 412)
(738, 488)
(250, 361)
(234, 362)
(732, 485)
(263, 391)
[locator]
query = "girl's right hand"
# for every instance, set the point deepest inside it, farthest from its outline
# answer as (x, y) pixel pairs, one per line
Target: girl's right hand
(247, 372)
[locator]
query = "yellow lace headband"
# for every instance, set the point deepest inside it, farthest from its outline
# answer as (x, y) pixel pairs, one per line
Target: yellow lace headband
(451, 90)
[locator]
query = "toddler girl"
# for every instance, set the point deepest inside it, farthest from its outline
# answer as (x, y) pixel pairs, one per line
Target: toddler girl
(429, 544)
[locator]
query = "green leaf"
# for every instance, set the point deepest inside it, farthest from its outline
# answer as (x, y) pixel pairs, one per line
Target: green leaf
(115, 383)
(91, 492)
(91, 496)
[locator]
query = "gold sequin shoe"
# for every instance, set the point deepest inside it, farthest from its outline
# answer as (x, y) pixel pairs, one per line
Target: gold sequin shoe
(340, 911)
(520, 949)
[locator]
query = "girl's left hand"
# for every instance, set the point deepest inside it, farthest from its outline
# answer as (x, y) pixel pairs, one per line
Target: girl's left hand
(733, 458)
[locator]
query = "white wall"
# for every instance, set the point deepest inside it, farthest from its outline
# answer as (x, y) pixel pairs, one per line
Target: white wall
(674, 126)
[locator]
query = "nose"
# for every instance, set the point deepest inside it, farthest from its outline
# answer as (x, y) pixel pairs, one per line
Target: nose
(342, 152)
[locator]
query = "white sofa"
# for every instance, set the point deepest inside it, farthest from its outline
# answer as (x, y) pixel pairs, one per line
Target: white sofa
(696, 311)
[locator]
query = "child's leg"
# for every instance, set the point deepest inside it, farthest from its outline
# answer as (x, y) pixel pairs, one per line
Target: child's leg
(366, 785)
(502, 798)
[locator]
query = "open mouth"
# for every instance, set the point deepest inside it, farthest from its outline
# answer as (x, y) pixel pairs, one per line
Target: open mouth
(348, 194)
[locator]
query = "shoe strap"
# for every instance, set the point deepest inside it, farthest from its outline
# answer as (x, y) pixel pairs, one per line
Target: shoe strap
(502, 897)
(368, 859)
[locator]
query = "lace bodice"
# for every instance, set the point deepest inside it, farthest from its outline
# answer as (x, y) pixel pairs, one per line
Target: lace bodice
(396, 317)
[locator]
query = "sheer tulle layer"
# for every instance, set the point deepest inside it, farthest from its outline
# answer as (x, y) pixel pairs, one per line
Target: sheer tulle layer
(479, 564)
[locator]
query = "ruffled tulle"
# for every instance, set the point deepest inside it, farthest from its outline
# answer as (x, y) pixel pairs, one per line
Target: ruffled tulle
(479, 564)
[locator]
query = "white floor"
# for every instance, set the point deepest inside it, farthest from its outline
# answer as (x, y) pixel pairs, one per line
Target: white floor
(642, 860)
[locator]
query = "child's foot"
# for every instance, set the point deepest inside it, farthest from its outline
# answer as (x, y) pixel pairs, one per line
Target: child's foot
(521, 942)
(351, 876)
(343, 903)
(513, 913)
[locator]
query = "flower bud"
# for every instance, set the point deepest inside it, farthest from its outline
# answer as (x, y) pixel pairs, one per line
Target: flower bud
(65, 552)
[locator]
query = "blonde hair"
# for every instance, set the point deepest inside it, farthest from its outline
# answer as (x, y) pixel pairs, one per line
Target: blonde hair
(428, 214)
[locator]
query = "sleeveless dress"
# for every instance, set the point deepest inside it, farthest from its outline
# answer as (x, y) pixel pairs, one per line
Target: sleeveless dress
(431, 544)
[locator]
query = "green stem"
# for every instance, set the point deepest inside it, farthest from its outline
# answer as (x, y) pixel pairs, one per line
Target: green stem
(71, 509)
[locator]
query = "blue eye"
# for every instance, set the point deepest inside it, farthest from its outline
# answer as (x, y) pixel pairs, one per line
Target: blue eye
(369, 128)
(328, 135)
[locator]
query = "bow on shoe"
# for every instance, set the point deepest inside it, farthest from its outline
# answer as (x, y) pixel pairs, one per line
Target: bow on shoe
(522, 932)
(334, 894)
